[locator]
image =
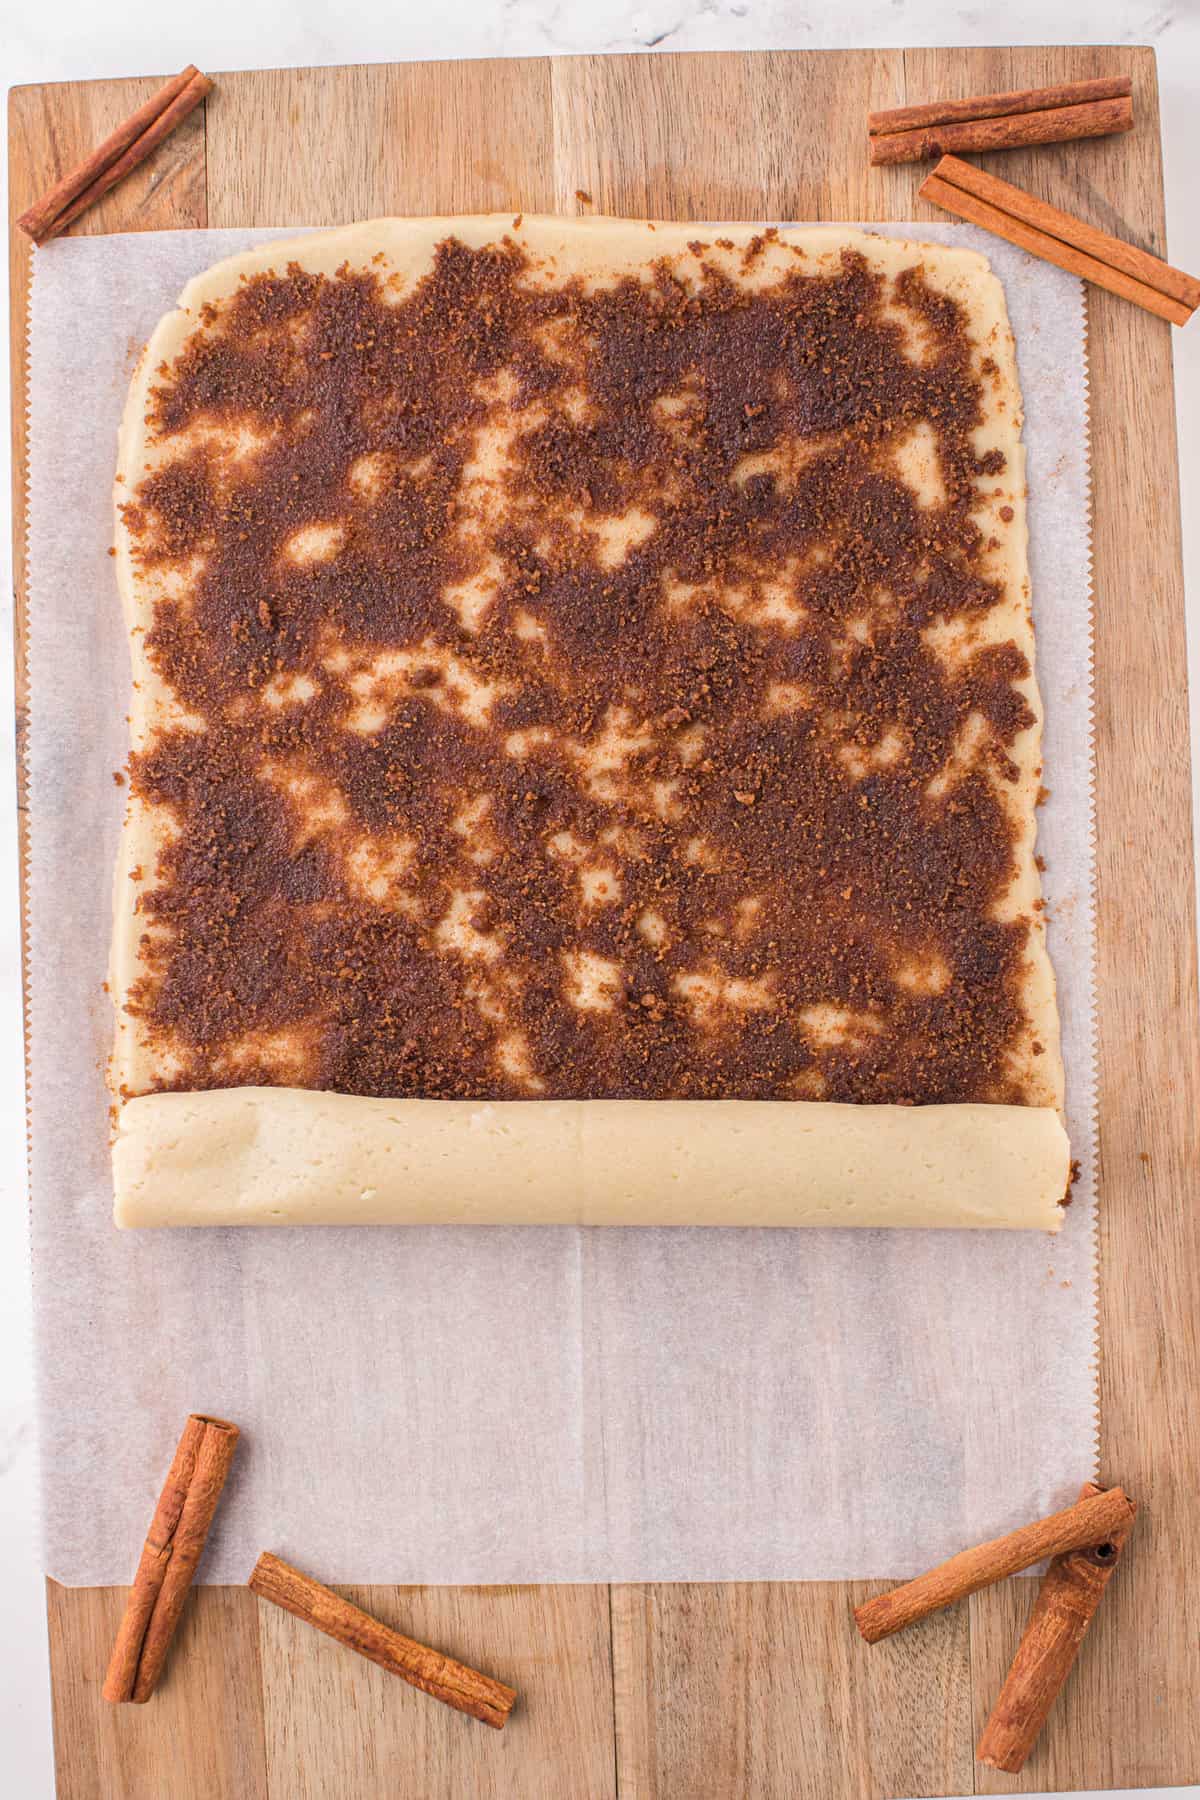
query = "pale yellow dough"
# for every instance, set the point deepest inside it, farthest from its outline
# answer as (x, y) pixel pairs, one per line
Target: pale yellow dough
(280, 1155)
(284, 1156)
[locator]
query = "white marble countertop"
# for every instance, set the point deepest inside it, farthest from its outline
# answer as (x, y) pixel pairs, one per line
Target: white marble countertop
(73, 40)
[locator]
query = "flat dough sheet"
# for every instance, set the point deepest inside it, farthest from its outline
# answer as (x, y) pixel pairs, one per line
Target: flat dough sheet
(279, 1151)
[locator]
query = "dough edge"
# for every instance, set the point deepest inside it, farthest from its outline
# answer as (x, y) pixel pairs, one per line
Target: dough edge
(292, 1156)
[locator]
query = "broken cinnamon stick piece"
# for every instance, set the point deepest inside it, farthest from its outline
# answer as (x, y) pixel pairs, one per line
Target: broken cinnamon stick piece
(169, 1557)
(120, 153)
(1060, 238)
(452, 1682)
(1092, 1521)
(1071, 1590)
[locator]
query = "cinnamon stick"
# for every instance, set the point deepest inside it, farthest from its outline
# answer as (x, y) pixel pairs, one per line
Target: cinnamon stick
(1053, 115)
(992, 106)
(1091, 1521)
(1062, 125)
(1060, 238)
(169, 1556)
(1066, 1603)
(449, 1681)
(121, 152)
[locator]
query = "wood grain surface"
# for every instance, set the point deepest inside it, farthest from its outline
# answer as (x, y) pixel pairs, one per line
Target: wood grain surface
(684, 1692)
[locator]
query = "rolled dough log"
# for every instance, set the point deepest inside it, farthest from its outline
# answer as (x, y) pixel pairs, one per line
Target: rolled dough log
(286, 1156)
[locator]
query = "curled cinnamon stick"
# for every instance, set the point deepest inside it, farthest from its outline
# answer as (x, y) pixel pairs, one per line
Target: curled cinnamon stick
(1054, 115)
(1071, 1590)
(120, 153)
(452, 1682)
(1095, 1520)
(169, 1556)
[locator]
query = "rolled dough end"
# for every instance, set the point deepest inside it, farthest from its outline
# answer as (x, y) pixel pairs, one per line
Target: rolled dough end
(290, 1156)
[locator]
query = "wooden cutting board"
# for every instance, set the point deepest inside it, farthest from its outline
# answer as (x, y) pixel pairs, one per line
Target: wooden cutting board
(687, 1691)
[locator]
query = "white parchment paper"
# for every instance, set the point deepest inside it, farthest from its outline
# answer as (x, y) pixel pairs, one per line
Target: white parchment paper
(479, 1404)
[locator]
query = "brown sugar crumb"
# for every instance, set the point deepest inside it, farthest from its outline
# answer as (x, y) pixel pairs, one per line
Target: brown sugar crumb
(118, 778)
(528, 797)
(582, 195)
(1007, 514)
